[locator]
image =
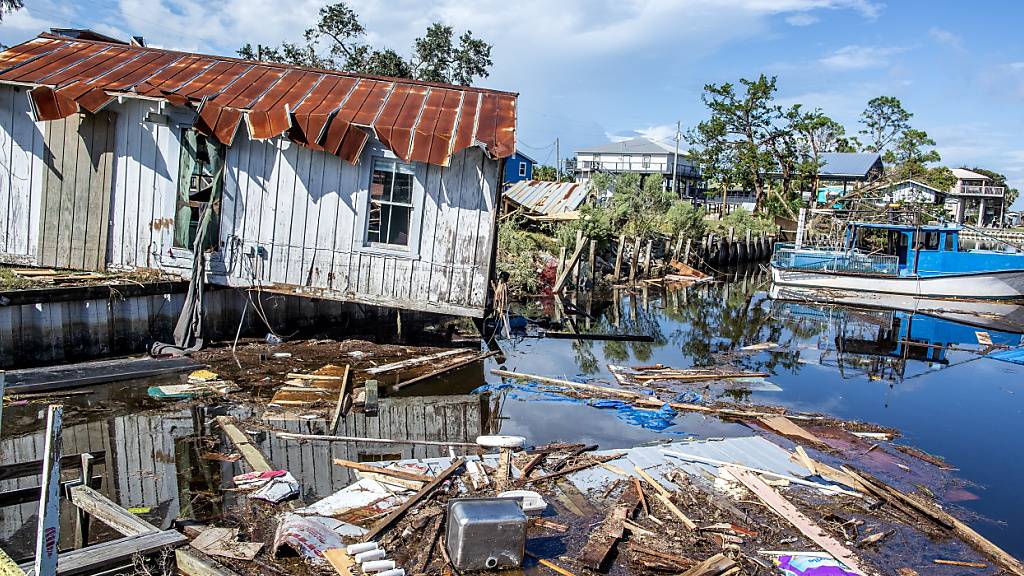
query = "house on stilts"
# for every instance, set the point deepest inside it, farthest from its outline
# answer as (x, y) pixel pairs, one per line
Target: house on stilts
(313, 182)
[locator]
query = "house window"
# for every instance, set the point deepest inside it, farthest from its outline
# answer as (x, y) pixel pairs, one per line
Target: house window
(646, 161)
(200, 183)
(522, 169)
(390, 203)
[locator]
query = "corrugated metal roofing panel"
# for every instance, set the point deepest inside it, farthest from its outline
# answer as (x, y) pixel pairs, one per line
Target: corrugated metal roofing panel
(423, 121)
(852, 164)
(548, 198)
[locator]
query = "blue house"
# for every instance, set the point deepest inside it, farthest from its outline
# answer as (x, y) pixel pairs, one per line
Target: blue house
(518, 167)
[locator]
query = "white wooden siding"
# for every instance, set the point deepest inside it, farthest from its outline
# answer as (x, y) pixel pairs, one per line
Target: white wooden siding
(292, 218)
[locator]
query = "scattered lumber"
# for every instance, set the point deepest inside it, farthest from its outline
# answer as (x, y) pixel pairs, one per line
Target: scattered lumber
(960, 563)
(241, 440)
(383, 471)
(778, 504)
(342, 393)
(411, 362)
(340, 561)
(302, 376)
(595, 460)
(328, 438)
(694, 375)
(603, 540)
(654, 559)
(787, 477)
(443, 370)
(549, 564)
(940, 517)
(664, 496)
(787, 428)
(717, 565)
(386, 522)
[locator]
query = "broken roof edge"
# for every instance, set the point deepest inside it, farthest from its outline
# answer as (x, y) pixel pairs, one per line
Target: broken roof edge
(235, 59)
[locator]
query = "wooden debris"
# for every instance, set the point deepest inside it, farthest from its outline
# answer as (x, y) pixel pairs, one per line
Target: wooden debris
(717, 565)
(443, 370)
(339, 559)
(224, 542)
(654, 559)
(412, 362)
(778, 504)
(48, 524)
(664, 496)
(786, 477)
(383, 471)
(806, 460)
(786, 427)
(549, 524)
(342, 393)
(602, 540)
(960, 563)
(595, 460)
(241, 440)
(550, 565)
(534, 461)
(875, 538)
(400, 511)
(640, 490)
(296, 375)
(906, 572)
(328, 438)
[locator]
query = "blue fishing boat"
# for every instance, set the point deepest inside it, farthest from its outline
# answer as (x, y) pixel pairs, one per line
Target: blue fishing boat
(901, 259)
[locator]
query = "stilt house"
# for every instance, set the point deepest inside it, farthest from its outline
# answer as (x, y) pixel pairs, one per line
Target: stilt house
(329, 184)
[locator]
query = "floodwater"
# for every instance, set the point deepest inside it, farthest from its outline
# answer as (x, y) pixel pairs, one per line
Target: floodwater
(919, 373)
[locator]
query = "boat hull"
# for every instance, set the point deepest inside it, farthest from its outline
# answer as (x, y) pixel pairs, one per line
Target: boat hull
(1002, 285)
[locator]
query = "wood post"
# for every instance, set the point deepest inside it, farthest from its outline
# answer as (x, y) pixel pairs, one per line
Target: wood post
(686, 253)
(679, 246)
(577, 268)
(647, 258)
(567, 269)
(82, 518)
(634, 257)
(561, 262)
(592, 262)
(48, 532)
(618, 257)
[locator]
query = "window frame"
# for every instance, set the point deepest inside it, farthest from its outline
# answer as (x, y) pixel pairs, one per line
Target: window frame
(522, 169)
(214, 246)
(361, 238)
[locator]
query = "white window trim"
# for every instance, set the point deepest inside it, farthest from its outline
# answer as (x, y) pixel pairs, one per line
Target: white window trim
(522, 169)
(360, 241)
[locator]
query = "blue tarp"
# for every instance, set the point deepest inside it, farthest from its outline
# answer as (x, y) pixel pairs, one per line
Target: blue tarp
(659, 420)
(1015, 355)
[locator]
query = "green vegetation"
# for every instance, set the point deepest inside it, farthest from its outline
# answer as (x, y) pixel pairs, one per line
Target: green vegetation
(521, 255)
(636, 207)
(741, 221)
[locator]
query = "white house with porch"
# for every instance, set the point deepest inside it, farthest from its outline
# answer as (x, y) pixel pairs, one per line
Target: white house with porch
(973, 199)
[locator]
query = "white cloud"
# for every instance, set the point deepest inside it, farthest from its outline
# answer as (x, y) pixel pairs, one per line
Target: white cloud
(802, 19)
(855, 57)
(948, 38)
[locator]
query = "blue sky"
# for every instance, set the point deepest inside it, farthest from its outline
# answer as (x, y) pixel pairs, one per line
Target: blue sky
(591, 70)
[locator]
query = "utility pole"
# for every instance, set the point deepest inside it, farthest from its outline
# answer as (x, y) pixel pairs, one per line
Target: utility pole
(558, 162)
(675, 161)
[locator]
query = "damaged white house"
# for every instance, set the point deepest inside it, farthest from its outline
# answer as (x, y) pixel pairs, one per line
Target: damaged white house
(321, 183)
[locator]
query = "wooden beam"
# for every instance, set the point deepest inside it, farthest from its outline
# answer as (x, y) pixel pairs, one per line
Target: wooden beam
(411, 362)
(665, 497)
(241, 440)
(601, 541)
(116, 553)
(569, 267)
(341, 399)
(192, 562)
(383, 471)
(82, 518)
(618, 257)
(386, 522)
(444, 370)
(106, 511)
(48, 532)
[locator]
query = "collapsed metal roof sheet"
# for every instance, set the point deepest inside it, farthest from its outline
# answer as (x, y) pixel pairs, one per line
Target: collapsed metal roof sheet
(548, 198)
(323, 109)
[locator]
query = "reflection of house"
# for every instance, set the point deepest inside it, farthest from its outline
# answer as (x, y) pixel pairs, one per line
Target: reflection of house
(639, 156)
(843, 171)
(974, 200)
(547, 200)
(378, 191)
(150, 462)
(518, 167)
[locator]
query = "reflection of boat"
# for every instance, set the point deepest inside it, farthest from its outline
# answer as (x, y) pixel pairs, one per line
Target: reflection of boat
(902, 259)
(878, 334)
(986, 314)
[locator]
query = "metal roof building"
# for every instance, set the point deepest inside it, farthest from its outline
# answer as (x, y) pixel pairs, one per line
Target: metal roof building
(549, 200)
(850, 165)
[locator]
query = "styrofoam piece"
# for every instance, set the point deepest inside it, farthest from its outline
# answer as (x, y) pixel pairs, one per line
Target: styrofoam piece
(530, 501)
(375, 554)
(498, 441)
(354, 549)
(379, 566)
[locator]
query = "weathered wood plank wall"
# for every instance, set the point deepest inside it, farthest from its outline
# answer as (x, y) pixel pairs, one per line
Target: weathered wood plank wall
(291, 218)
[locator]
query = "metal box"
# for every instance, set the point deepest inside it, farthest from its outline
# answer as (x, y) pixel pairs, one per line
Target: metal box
(485, 533)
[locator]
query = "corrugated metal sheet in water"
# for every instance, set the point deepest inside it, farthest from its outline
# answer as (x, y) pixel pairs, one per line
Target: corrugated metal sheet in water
(322, 109)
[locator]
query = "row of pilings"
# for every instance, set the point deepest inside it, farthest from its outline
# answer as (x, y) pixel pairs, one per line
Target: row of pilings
(721, 251)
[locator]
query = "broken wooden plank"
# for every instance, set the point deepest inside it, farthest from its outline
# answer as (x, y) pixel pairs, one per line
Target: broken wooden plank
(717, 565)
(340, 560)
(571, 469)
(106, 511)
(665, 497)
(960, 563)
(601, 542)
(787, 477)
(319, 377)
(48, 531)
(328, 438)
(386, 522)
(785, 509)
(241, 440)
(411, 362)
(786, 427)
(549, 565)
(443, 370)
(384, 471)
(342, 392)
(192, 562)
(117, 553)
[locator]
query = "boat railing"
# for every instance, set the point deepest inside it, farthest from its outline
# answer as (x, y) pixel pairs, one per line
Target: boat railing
(851, 262)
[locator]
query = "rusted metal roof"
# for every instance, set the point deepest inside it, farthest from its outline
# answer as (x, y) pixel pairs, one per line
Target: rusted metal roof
(547, 198)
(322, 109)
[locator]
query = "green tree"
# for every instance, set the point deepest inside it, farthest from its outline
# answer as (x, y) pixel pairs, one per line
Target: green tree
(545, 173)
(336, 42)
(884, 120)
(939, 177)
(741, 128)
(820, 134)
(911, 153)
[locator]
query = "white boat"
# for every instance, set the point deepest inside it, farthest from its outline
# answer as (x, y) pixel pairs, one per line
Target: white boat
(922, 261)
